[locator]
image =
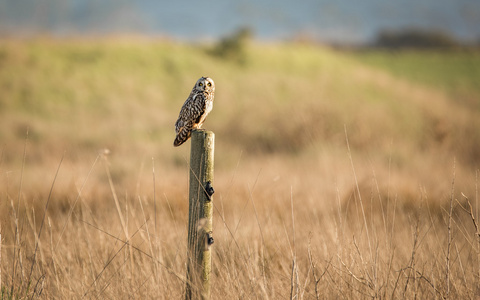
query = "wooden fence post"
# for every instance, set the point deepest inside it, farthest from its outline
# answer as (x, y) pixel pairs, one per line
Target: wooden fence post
(199, 258)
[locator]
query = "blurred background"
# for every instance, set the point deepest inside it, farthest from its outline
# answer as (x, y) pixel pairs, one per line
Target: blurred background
(347, 144)
(341, 22)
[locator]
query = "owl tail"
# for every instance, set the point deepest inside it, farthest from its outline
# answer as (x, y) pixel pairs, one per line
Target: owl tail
(182, 136)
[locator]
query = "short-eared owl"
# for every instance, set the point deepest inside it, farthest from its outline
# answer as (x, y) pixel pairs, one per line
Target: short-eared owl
(194, 110)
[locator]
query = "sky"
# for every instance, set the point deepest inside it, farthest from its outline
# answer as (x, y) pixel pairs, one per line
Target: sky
(344, 21)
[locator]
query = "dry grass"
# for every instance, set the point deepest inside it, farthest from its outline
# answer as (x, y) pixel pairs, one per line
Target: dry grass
(335, 180)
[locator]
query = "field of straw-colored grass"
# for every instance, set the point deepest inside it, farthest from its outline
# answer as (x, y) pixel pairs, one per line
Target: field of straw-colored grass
(336, 175)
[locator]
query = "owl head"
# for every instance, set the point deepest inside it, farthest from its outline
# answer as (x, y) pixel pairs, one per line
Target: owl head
(205, 84)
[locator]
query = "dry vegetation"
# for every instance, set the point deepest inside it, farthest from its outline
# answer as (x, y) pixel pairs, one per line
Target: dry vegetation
(333, 179)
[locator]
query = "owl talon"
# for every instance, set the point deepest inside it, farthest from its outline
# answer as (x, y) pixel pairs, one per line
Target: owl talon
(209, 190)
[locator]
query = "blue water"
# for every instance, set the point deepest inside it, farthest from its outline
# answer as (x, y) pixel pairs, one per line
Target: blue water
(351, 21)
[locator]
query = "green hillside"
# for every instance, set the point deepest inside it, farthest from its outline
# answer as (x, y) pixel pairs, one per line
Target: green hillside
(453, 71)
(125, 95)
(142, 84)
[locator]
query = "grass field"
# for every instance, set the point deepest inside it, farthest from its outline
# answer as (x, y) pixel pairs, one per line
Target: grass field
(337, 174)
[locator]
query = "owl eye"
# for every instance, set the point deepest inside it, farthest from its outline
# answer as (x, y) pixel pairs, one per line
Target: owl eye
(200, 84)
(209, 84)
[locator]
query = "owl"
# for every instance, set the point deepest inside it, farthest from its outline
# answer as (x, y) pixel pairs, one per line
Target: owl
(194, 110)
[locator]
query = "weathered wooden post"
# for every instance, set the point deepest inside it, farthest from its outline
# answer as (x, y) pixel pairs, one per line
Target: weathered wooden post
(199, 258)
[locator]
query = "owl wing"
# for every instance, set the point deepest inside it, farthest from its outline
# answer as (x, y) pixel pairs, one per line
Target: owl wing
(200, 106)
(183, 130)
(191, 112)
(189, 116)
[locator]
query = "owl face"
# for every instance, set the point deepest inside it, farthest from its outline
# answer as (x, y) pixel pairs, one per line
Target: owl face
(205, 84)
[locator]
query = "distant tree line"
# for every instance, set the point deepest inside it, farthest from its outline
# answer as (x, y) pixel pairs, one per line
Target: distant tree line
(233, 47)
(417, 38)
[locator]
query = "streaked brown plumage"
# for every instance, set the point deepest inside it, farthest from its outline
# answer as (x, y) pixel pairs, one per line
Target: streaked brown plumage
(194, 110)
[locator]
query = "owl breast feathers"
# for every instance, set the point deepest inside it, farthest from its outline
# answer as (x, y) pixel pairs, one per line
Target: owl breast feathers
(194, 110)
